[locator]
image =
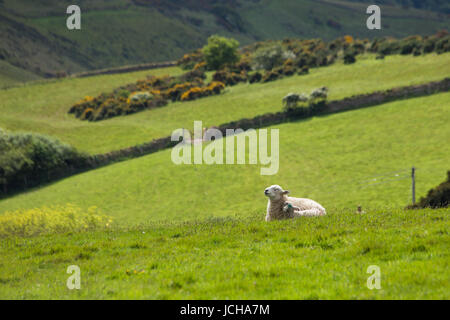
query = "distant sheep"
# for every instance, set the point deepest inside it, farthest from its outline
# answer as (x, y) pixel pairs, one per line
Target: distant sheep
(320, 93)
(280, 206)
(291, 100)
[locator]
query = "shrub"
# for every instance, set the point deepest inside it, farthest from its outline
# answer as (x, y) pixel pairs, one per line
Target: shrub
(87, 114)
(304, 70)
(268, 57)
(220, 52)
(387, 47)
(417, 52)
(105, 110)
(348, 39)
(358, 47)
(409, 44)
(349, 57)
(193, 75)
(28, 159)
(438, 197)
(271, 76)
(51, 220)
(216, 87)
(304, 60)
(191, 94)
(123, 93)
(255, 77)
(229, 78)
(200, 66)
(321, 60)
(288, 63)
(279, 71)
(139, 96)
(175, 93)
(443, 45)
(149, 93)
(244, 65)
(189, 61)
(429, 45)
(288, 70)
(195, 93)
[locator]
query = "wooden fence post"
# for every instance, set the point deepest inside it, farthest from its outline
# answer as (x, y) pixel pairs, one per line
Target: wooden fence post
(413, 188)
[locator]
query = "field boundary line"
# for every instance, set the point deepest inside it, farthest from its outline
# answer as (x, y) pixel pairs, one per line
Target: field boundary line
(124, 69)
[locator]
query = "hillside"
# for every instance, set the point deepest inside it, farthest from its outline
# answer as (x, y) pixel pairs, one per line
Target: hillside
(44, 106)
(146, 228)
(11, 75)
(153, 188)
(121, 32)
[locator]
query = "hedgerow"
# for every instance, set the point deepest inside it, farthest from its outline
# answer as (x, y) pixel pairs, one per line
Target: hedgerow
(29, 159)
(438, 197)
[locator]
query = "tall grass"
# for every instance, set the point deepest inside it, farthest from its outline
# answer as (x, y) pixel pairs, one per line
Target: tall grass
(240, 258)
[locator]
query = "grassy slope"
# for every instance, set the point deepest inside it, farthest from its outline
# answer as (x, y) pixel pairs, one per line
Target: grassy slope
(308, 18)
(11, 75)
(319, 258)
(43, 107)
(127, 36)
(390, 137)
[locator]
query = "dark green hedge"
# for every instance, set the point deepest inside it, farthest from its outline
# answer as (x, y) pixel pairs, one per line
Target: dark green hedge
(28, 160)
(438, 197)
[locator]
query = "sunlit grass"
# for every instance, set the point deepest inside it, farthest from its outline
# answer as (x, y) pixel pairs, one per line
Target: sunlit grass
(240, 258)
(333, 159)
(43, 108)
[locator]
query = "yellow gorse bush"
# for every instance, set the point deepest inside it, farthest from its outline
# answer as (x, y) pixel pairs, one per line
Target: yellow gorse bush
(348, 39)
(50, 220)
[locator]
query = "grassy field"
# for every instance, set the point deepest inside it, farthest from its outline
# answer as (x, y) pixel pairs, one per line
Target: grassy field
(391, 138)
(235, 258)
(43, 107)
(198, 231)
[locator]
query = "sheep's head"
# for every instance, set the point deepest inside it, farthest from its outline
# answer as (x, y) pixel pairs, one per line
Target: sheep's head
(275, 192)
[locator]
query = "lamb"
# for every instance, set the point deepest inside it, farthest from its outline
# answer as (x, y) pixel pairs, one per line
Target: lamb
(280, 206)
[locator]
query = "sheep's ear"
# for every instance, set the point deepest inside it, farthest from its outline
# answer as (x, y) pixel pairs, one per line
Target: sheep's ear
(286, 192)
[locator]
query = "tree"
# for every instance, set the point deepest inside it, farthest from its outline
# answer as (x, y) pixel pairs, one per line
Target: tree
(220, 52)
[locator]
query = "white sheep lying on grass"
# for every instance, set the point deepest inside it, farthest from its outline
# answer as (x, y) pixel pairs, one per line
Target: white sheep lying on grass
(281, 206)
